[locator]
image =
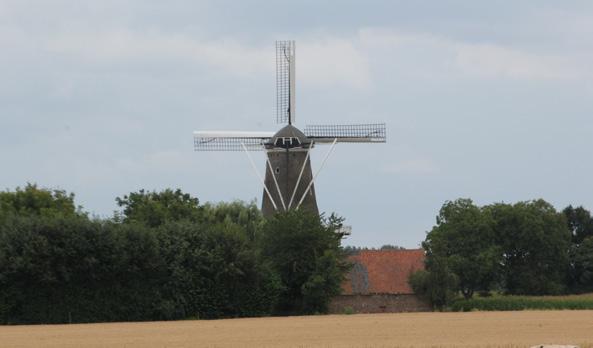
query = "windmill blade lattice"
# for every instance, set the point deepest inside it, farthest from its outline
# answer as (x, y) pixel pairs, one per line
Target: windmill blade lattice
(230, 141)
(285, 88)
(347, 133)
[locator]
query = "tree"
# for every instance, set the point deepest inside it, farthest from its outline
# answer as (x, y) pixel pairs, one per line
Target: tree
(581, 270)
(580, 223)
(534, 240)
(33, 200)
(463, 242)
(156, 208)
(305, 251)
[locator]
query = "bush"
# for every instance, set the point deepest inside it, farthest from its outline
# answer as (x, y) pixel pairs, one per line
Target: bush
(438, 286)
(348, 310)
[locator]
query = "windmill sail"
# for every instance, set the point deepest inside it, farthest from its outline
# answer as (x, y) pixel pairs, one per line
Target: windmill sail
(347, 133)
(288, 182)
(285, 81)
(230, 140)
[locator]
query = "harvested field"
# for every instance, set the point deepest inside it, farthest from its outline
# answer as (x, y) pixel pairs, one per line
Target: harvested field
(473, 329)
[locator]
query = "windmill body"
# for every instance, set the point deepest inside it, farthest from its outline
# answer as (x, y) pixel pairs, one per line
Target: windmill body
(289, 180)
(289, 166)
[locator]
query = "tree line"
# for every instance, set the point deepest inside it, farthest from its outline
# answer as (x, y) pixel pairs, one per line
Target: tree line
(527, 248)
(163, 256)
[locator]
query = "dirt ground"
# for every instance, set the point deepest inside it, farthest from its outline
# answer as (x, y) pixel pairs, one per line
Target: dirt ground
(475, 329)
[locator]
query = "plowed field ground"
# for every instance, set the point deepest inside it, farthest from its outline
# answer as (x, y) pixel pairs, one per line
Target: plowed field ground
(474, 329)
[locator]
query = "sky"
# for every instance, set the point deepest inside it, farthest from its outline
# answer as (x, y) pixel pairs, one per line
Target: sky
(491, 101)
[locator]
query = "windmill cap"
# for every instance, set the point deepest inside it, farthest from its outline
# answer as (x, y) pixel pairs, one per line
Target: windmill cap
(289, 137)
(290, 131)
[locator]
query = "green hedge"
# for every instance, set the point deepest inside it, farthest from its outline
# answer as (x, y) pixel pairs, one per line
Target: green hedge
(518, 303)
(71, 269)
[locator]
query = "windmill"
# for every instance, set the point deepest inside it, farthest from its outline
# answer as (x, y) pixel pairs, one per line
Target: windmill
(289, 180)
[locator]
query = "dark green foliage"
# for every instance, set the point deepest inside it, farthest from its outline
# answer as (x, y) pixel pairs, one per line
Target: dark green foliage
(71, 269)
(581, 270)
(438, 286)
(520, 249)
(56, 270)
(519, 303)
(580, 223)
(464, 241)
(213, 271)
(305, 251)
(534, 241)
(165, 259)
(156, 208)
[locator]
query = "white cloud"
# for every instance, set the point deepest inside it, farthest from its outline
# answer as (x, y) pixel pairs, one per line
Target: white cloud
(124, 46)
(320, 62)
(332, 61)
(323, 61)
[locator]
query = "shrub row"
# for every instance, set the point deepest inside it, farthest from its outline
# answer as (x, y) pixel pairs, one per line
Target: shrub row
(518, 303)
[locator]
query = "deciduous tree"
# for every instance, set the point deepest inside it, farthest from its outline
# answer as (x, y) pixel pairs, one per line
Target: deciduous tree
(534, 240)
(464, 240)
(305, 251)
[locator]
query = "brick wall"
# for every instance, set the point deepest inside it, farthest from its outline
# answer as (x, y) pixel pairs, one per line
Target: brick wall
(378, 303)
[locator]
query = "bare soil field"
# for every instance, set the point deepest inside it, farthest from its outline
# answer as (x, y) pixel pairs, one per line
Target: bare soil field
(473, 329)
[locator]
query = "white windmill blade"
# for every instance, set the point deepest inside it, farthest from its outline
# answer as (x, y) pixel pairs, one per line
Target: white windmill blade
(230, 140)
(347, 133)
(285, 81)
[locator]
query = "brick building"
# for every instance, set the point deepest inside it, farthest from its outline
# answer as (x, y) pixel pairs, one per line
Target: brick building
(378, 282)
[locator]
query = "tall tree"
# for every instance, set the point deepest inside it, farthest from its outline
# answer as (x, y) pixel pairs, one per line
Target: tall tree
(305, 251)
(535, 241)
(464, 240)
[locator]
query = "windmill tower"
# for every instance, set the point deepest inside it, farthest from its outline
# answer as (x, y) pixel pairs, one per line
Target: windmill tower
(289, 180)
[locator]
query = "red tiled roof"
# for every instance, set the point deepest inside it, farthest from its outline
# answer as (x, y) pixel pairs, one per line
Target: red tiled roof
(382, 271)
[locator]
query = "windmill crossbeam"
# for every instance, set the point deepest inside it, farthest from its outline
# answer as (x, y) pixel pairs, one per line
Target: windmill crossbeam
(288, 180)
(354, 133)
(230, 140)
